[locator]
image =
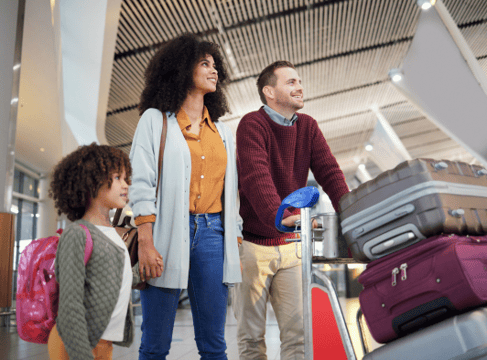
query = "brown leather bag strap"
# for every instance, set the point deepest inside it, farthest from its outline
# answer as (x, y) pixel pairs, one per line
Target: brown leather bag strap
(161, 150)
(116, 217)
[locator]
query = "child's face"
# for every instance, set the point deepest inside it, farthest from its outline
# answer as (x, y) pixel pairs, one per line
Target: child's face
(117, 195)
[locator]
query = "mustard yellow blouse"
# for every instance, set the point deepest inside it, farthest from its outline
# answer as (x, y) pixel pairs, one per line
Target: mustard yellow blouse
(208, 165)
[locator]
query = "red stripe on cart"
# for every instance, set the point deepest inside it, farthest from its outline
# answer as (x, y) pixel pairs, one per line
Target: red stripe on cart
(327, 342)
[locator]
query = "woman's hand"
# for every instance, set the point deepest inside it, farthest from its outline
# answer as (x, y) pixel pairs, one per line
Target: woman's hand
(151, 264)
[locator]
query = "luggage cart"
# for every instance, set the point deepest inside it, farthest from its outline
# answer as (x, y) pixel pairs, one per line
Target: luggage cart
(461, 337)
(314, 293)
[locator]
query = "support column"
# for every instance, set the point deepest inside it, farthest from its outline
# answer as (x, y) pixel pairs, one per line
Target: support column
(89, 32)
(11, 28)
(442, 77)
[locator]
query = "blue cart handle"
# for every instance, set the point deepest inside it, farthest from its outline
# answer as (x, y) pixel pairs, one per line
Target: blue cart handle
(301, 198)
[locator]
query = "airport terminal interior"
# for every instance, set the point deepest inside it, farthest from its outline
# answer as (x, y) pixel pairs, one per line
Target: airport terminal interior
(386, 80)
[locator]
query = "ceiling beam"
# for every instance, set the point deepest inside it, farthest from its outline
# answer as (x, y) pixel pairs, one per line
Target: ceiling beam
(238, 25)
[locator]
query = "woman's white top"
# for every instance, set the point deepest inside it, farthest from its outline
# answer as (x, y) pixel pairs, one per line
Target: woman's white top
(114, 330)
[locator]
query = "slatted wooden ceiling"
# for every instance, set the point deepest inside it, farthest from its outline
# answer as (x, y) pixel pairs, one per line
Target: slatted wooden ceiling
(343, 50)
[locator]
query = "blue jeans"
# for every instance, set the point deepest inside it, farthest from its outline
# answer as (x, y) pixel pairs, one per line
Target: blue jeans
(207, 294)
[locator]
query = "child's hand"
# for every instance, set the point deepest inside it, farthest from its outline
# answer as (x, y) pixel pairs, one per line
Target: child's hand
(160, 263)
(150, 261)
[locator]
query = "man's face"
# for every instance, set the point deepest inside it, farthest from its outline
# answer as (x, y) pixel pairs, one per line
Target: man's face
(288, 92)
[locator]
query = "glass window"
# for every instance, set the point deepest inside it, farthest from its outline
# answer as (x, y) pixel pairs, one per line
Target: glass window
(17, 180)
(26, 217)
(25, 184)
(26, 225)
(30, 186)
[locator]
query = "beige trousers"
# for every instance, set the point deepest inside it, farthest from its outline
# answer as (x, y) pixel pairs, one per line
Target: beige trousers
(269, 273)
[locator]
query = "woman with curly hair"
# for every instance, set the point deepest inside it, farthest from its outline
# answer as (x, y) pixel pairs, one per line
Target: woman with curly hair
(94, 299)
(192, 220)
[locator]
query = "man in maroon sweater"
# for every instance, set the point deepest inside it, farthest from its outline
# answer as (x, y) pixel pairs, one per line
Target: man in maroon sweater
(276, 148)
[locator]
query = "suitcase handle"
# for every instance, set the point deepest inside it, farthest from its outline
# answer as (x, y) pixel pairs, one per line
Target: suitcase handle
(301, 198)
(423, 315)
(387, 218)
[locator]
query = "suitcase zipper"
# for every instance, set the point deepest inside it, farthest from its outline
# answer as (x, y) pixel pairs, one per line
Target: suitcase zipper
(403, 267)
(369, 276)
(395, 271)
(373, 272)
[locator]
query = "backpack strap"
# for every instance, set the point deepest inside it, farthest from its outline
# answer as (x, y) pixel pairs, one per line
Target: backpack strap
(89, 244)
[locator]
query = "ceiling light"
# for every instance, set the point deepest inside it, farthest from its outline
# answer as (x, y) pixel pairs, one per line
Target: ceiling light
(395, 75)
(14, 101)
(42, 149)
(361, 166)
(16, 66)
(369, 147)
(425, 4)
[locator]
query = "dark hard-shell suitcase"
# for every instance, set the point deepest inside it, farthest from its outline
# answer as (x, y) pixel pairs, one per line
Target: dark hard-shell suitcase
(415, 200)
(423, 284)
(461, 337)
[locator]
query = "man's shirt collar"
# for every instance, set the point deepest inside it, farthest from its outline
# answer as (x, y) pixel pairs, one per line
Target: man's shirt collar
(278, 118)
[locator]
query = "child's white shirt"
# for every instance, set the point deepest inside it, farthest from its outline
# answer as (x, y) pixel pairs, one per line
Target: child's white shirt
(115, 328)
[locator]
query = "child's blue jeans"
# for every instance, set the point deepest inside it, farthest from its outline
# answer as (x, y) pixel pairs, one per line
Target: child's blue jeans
(207, 295)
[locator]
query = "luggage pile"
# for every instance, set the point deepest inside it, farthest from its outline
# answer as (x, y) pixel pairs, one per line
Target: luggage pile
(422, 227)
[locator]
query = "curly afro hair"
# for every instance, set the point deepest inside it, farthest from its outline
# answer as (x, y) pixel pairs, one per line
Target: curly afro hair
(78, 177)
(169, 76)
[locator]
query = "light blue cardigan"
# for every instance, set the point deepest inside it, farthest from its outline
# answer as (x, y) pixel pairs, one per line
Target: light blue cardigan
(171, 228)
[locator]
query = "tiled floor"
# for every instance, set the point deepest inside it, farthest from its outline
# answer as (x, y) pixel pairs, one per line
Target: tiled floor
(183, 346)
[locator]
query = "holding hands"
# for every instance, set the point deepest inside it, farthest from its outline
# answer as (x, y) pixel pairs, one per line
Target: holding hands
(151, 264)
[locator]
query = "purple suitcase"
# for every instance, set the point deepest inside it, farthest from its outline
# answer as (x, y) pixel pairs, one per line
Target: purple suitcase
(423, 284)
(416, 200)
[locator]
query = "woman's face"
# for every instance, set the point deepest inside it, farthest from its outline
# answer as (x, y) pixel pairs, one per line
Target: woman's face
(205, 75)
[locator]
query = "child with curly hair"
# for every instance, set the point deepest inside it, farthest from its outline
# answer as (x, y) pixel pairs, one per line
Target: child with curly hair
(94, 299)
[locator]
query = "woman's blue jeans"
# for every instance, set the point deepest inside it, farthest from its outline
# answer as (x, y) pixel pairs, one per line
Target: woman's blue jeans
(207, 295)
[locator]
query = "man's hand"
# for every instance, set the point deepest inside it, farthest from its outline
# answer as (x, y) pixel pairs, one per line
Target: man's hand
(151, 264)
(290, 221)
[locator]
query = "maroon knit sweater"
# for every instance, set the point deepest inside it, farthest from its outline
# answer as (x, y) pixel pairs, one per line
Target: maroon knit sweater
(273, 161)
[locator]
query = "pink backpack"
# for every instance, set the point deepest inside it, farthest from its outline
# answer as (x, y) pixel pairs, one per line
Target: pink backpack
(37, 288)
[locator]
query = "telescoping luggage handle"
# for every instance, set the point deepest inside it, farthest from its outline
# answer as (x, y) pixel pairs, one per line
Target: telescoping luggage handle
(304, 199)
